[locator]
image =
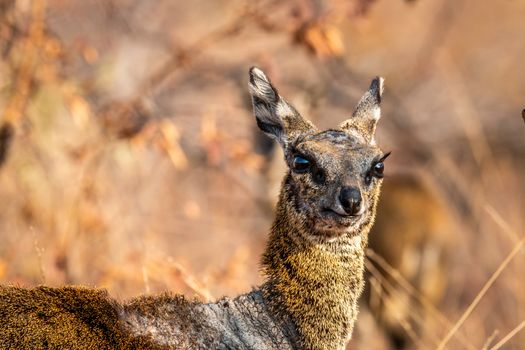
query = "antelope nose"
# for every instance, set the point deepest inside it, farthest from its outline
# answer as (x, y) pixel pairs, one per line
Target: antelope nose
(350, 198)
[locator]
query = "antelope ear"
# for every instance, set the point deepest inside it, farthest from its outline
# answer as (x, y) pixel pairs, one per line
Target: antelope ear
(274, 115)
(367, 113)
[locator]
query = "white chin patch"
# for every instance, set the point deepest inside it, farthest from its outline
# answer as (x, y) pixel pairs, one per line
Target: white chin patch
(356, 242)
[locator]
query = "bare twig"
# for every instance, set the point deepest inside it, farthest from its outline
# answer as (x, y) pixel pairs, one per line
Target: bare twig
(413, 292)
(490, 339)
(387, 298)
(509, 336)
(501, 223)
(482, 293)
(39, 250)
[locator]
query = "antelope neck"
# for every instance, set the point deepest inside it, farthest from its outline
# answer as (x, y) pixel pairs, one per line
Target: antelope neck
(317, 285)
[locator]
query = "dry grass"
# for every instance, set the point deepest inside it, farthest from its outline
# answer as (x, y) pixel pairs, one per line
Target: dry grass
(129, 159)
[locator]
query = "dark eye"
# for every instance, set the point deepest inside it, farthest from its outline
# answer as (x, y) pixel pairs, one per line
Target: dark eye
(301, 164)
(378, 169)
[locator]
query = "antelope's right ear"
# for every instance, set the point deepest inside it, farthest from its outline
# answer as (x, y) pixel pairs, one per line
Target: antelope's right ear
(275, 116)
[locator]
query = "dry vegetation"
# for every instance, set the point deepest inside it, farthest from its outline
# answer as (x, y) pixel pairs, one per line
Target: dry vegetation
(129, 159)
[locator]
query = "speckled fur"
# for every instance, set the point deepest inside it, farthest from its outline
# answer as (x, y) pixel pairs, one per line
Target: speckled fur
(63, 318)
(313, 263)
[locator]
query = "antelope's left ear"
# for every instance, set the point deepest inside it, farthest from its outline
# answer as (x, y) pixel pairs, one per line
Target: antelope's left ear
(275, 116)
(367, 113)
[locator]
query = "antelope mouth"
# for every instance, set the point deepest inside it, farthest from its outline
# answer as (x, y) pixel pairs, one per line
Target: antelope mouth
(333, 223)
(331, 213)
(334, 213)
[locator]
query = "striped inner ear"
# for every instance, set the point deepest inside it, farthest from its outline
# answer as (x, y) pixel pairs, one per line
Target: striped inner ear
(275, 116)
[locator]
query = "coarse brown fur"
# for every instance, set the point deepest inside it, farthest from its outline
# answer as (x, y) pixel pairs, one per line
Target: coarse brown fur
(314, 260)
(63, 318)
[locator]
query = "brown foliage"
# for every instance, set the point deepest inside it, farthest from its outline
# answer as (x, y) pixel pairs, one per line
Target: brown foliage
(129, 159)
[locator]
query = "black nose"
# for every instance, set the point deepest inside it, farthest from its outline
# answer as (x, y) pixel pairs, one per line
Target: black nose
(350, 198)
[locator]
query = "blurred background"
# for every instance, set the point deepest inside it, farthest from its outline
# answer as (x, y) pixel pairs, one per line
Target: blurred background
(129, 158)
